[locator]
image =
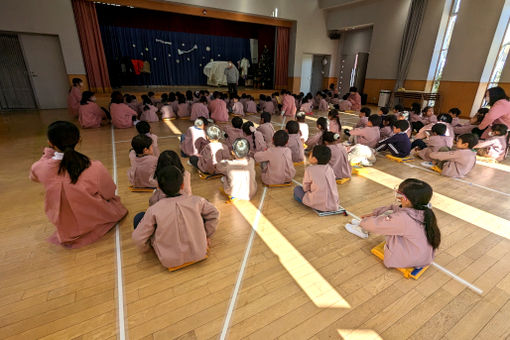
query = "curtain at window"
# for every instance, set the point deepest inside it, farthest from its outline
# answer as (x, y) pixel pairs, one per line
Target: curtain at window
(282, 57)
(91, 45)
(411, 31)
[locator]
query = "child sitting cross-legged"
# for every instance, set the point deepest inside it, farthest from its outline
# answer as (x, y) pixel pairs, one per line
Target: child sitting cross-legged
(494, 146)
(459, 162)
(143, 163)
(339, 161)
(399, 144)
(178, 227)
(295, 143)
(212, 153)
(276, 162)
(436, 142)
(319, 190)
(368, 135)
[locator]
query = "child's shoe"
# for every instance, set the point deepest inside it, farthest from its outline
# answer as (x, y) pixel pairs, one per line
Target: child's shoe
(356, 230)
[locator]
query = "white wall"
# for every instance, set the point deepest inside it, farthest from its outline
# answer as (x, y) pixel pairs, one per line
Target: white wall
(310, 31)
(46, 17)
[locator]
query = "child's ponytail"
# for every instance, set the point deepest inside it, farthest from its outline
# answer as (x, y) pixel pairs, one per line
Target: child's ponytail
(65, 136)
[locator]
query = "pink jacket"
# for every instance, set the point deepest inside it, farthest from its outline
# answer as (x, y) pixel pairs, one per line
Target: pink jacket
(333, 126)
(183, 110)
(167, 112)
(362, 122)
(368, 136)
(269, 108)
(495, 147)
(90, 115)
(210, 155)
(82, 212)
(258, 145)
(434, 143)
(267, 130)
(199, 110)
(141, 173)
(429, 120)
(306, 107)
(450, 132)
(150, 114)
(155, 148)
(279, 168)
(386, 132)
(233, 134)
(339, 161)
(314, 140)
(319, 185)
(296, 147)
(251, 107)
(345, 105)
(240, 177)
(355, 100)
(458, 162)
(73, 101)
(406, 241)
(122, 115)
(498, 114)
(191, 145)
(462, 129)
(237, 109)
(323, 105)
(159, 194)
(218, 109)
(289, 105)
(177, 228)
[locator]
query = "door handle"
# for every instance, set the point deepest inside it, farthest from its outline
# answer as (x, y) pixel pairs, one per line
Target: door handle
(33, 75)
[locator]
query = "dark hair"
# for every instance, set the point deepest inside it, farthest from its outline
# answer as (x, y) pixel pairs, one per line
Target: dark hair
(330, 137)
(146, 101)
(237, 122)
(203, 100)
(143, 127)
(334, 115)
(501, 128)
(439, 129)
(140, 143)
(470, 139)
(65, 136)
(266, 117)
(85, 97)
(353, 89)
(189, 95)
(280, 138)
(454, 111)
(399, 107)
(128, 98)
(262, 96)
(150, 93)
(246, 129)
(268, 99)
(366, 111)
(181, 99)
(419, 194)
(384, 110)
(391, 119)
(403, 125)
(444, 117)
(375, 120)
(76, 81)
(322, 153)
(172, 97)
(292, 127)
(426, 108)
(166, 158)
(170, 180)
(116, 97)
(495, 94)
(164, 97)
(323, 95)
(322, 123)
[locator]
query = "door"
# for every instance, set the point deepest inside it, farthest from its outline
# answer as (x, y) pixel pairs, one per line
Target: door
(45, 64)
(317, 74)
(306, 73)
(15, 87)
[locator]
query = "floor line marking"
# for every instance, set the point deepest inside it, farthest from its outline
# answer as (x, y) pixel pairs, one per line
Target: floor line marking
(129, 141)
(247, 252)
(118, 257)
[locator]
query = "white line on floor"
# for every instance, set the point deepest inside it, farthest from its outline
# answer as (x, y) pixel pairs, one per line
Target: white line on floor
(118, 257)
(237, 287)
(129, 141)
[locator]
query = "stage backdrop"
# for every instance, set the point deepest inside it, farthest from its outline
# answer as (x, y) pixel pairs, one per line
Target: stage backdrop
(174, 58)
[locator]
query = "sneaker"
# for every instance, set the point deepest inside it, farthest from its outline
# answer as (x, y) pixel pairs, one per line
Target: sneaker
(189, 163)
(356, 230)
(355, 221)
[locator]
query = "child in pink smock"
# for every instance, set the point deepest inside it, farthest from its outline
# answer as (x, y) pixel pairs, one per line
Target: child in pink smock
(295, 143)
(388, 121)
(218, 109)
(122, 115)
(90, 115)
(251, 107)
(178, 227)
(316, 139)
(80, 197)
(369, 135)
(339, 161)
(495, 146)
(410, 227)
(234, 131)
(459, 162)
(144, 128)
(266, 127)
(183, 108)
(364, 113)
(149, 111)
(237, 107)
(199, 109)
(212, 153)
(323, 103)
(191, 141)
(319, 190)
(276, 161)
(433, 143)
(335, 125)
(254, 137)
(74, 97)
(288, 104)
(143, 163)
(269, 106)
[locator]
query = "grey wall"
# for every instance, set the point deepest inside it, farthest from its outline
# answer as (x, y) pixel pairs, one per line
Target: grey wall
(46, 17)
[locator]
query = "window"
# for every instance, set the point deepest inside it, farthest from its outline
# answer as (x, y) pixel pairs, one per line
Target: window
(500, 62)
(446, 38)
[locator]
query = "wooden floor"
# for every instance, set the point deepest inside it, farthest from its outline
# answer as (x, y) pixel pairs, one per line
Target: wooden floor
(305, 277)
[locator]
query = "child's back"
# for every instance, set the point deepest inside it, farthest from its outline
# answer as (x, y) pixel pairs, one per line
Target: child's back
(212, 154)
(458, 162)
(189, 144)
(339, 161)
(251, 107)
(433, 145)
(363, 121)
(368, 135)
(178, 228)
(279, 168)
(158, 194)
(296, 147)
(495, 147)
(142, 170)
(319, 184)
(267, 130)
(239, 181)
(386, 132)
(149, 113)
(199, 109)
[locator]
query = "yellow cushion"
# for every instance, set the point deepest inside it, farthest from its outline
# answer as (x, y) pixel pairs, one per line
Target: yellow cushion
(279, 185)
(399, 159)
(411, 272)
(436, 169)
(299, 163)
(203, 175)
(486, 159)
(172, 269)
(342, 180)
(138, 189)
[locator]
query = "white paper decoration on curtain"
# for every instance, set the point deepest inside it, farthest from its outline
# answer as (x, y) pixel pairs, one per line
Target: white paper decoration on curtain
(208, 48)
(200, 65)
(155, 58)
(146, 48)
(169, 55)
(187, 59)
(183, 44)
(212, 59)
(134, 45)
(141, 53)
(177, 61)
(219, 55)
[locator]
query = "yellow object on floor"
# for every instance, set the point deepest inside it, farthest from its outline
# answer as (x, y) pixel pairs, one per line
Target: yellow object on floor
(342, 180)
(184, 118)
(436, 169)
(229, 198)
(357, 171)
(299, 163)
(205, 176)
(413, 273)
(137, 189)
(173, 269)
(279, 185)
(399, 159)
(486, 159)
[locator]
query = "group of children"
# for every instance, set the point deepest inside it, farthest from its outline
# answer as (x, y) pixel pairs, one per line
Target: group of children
(178, 225)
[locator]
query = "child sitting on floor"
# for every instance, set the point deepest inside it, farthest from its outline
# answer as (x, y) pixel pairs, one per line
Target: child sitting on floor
(178, 227)
(323, 104)
(254, 137)
(339, 161)
(428, 116)
(251, 107)
(388, 122)
(399, 144)
(239, 180)
(410, 228)
(191, 140)
(234, 131)
(368, 135)
(457, 163)
(266, 128)
(199, 109)
(495, 146)
(279, 168)
(143, 163)
(472, 124)
(335, 125)
(455, 113)
(144, 128)
(212, 153)
(304, 130)
(383, 111)
(237, 106)
(436, 142)
(170, 158)
(319, 190)
(364, 113)
(148, 110)
(295, 143)
(316, 139)
(269, 106)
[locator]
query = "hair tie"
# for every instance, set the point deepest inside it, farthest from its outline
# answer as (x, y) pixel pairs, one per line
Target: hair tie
(428, 205)
(252, 129)
(336, 136)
